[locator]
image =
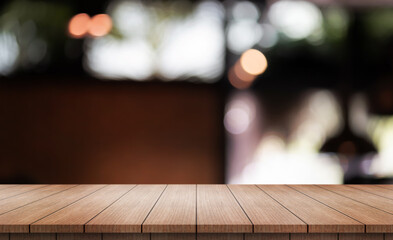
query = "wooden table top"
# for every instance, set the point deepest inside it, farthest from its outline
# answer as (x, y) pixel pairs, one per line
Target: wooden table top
(196, 208)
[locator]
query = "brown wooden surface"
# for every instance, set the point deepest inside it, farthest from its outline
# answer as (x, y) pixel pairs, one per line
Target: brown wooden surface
(4, 186)
(374, 219)
(266, 214)
(375, 189)
(319, 217)
(73, 217)
(175, 211)
(17, 190)
(218, 211)
(367, 198)
(20, 200)
(19, 220)
(127, 214)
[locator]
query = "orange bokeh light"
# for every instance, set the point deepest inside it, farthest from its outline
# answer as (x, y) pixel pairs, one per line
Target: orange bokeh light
(236, 81)
(79, 25)
(100, 25)
(253, 62)
(241, 74)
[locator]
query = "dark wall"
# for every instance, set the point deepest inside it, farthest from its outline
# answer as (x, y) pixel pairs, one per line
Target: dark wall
(110, 133)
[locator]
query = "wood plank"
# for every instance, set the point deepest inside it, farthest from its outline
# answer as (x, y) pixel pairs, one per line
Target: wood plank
(266, 236)
(314, 236)
(367, 198)
(72, 218)
(219, 212)
(4, 186)
(174, 212)
(173, 236)
(220, 236)
(19, 219)
(386, 186)
(20, 189)
(376, 221)
(380, 191)
(79, 236)
(127, 214)
(126, 236)
(20, 200)
(4, 236)
(319, 217)
(30, 236)
(266, 214)
(361, 236)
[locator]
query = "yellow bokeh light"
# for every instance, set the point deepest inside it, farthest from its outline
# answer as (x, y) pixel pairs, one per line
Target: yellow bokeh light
(253, 62)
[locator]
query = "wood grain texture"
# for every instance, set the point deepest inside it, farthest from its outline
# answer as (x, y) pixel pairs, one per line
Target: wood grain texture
(319, 217)
(266, 214)
(173, 236)
(4, 186)
(18, 220)
(314, 236)
(376, 221)
(374, 189)
(79, 236)
(386, 186)
(126, 236)
(32, 236)
(220, 236)
(219, 212)
(367, 198)
(175, 211)
(128, 213)
(20, 200)
(20, 189)
(359, 236)
(72, 218)
(266, 236)
(4, 236)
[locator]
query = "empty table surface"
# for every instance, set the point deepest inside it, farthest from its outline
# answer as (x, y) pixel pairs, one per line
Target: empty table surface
(190, 209)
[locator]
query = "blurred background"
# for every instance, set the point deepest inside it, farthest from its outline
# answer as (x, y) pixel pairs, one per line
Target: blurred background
(160, 91)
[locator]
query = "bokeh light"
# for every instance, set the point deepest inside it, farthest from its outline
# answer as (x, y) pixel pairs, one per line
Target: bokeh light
(253, 62)
(296, 19)
(186, 44)
(9, 53)
(100, 25)
(236, 81)
(79, 25)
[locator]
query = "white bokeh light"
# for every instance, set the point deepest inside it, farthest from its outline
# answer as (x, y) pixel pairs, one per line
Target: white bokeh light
(120, 59)
(194, 46)
(9, 52)
(155, 41)
(296, 19)
(245, 10)
(243, 35)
